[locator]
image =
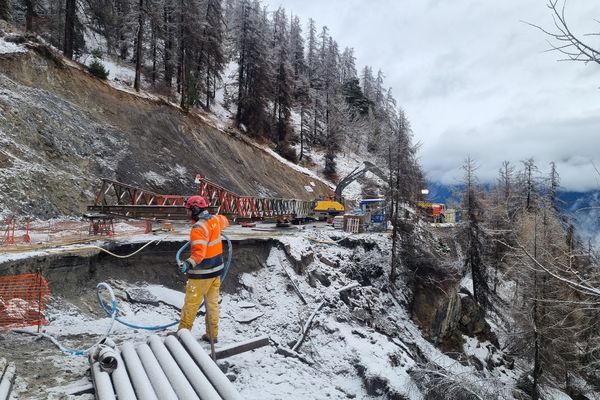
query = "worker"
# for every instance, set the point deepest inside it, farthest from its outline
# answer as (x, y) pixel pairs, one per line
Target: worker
(203, 267)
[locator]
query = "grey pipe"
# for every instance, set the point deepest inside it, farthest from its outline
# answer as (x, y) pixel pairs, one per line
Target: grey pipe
(201, 384)
(218, 379)
(106, 357)
(121, 381)
(7, 379)
(159, 380)
(102, 384)
(179, 382)
(139, 379)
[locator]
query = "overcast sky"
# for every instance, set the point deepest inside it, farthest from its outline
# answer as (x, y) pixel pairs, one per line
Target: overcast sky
(475, 80)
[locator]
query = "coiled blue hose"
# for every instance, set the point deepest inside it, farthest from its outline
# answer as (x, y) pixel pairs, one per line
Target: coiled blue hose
(178, 259)
(112, 311)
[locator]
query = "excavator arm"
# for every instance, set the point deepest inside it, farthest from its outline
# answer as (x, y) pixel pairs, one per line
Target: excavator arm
(354, 175)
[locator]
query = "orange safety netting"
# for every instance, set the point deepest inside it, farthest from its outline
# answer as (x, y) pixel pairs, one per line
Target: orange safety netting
(23, 300)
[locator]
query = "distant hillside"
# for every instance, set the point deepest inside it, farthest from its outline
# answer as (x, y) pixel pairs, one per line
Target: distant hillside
(584, 208)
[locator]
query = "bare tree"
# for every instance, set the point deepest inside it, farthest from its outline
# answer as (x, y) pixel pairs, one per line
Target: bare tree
(562, 38)
(474, 234)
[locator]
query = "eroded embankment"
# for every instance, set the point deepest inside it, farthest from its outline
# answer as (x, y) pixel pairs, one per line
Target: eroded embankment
(73, 274)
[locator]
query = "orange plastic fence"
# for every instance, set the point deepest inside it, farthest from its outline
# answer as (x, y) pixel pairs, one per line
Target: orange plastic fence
(23, 300)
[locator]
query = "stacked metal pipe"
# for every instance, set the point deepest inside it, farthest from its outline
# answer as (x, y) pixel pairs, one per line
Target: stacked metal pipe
(7, 377)
(162, 369)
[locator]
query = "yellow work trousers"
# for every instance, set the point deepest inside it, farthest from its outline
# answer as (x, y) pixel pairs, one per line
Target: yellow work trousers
(195, 290)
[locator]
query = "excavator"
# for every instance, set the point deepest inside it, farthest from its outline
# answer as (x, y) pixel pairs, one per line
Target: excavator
(330, 207)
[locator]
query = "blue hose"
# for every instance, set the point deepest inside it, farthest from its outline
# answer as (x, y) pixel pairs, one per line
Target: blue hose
(112, 311)
(178, 258)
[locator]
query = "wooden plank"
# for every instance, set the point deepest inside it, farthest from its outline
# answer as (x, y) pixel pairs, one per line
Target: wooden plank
(242, 347)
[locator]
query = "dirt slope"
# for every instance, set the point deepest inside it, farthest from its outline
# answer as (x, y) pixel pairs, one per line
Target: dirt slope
(61, 130)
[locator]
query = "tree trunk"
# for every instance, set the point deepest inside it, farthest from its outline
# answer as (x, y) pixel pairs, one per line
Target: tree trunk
(394, 207)
(69, 28)
(241, 65)
(168, 57)
(181, 57)
(183, 103)
(139, 48)
(301, 133)
(29, 14)
(5, 10)
(154, 53)
(208, 91)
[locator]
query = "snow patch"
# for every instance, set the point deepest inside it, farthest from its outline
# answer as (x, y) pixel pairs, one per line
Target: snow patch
(9, 47)
(155, 178)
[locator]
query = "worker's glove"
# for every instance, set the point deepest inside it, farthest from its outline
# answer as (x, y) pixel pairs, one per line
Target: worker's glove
(184, 266)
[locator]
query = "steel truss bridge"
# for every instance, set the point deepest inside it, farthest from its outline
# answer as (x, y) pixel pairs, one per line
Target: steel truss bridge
(121, 200)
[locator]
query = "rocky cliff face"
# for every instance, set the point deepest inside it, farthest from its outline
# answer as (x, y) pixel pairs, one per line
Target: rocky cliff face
(61, 130)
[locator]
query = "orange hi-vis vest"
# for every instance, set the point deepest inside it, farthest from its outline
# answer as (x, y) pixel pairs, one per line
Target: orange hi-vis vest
(207, 249)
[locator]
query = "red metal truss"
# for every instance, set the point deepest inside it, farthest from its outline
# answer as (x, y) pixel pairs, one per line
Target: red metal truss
(248, 207)
(119, 199)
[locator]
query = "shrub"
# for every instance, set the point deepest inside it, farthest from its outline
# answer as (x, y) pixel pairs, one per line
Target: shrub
(96, 68)
(97, 53)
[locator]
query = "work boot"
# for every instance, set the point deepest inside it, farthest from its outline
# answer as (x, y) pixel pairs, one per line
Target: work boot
(206, 338)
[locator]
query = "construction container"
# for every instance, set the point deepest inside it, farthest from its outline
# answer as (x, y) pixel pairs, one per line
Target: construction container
(450, 215)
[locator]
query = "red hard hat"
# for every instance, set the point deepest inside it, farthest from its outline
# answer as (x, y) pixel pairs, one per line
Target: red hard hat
(196, 201)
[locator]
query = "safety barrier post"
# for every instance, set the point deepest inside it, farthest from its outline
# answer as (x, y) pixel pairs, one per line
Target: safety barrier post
(9, 233)
(26, 237)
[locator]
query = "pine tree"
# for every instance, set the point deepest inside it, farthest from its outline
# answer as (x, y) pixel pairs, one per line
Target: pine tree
(379, 95)
(313, 62)
(347, 66)
(368, 83)
(212, 53)
(282, 88)
(253, 80)
(333, 102)
(301, 85)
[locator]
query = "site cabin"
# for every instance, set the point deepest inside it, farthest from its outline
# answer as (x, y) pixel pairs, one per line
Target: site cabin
(375, 211)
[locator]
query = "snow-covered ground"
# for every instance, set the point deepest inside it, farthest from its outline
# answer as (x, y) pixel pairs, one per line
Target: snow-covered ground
(342, 356)
(9, 47)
